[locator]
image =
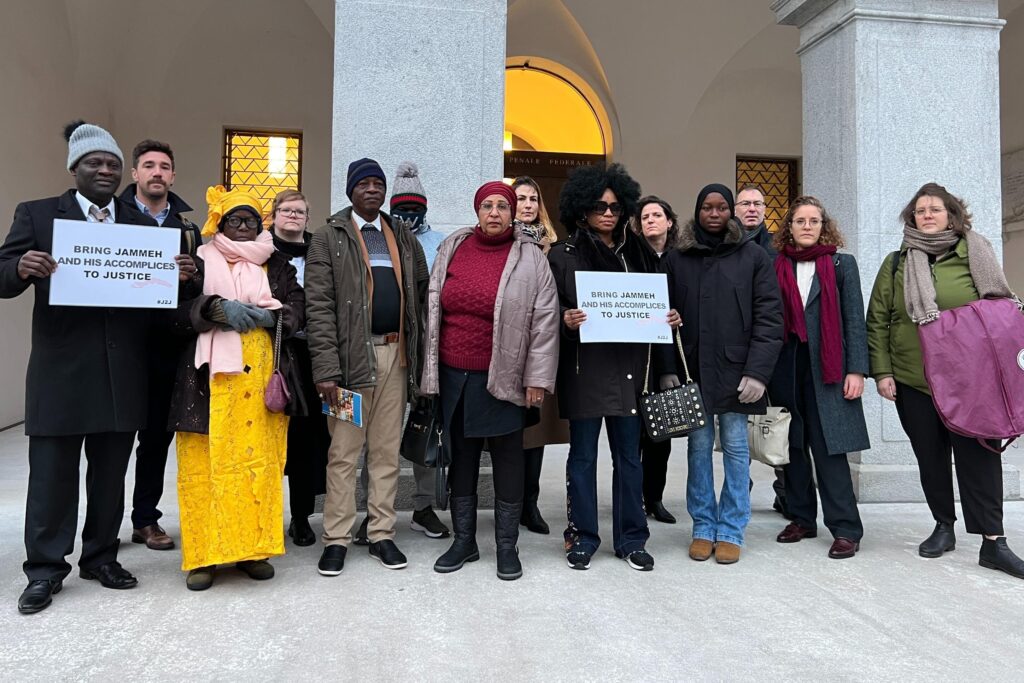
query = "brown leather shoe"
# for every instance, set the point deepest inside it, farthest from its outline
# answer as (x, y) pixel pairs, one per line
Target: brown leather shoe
(794, 533)
(843, 548)
(727, 553)
(700, 549)
(153, 536)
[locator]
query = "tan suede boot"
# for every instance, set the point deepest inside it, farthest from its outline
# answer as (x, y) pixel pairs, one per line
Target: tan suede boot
(700, 549)
(727, 553)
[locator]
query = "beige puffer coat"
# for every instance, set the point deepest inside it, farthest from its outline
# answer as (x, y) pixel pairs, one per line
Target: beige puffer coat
(526, 325)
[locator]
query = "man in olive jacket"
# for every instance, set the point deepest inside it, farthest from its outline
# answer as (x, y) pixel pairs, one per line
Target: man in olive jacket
(86, 380)
(366, 281)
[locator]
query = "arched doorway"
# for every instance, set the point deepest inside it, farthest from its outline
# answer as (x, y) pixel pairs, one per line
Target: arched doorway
(551, 127)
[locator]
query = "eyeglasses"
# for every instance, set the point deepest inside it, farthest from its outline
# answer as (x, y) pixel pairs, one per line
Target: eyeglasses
(487, 207)
(295, 213)
(813, 222)
(746, 203)
(236, 222)
(600, 208)
(934, 210)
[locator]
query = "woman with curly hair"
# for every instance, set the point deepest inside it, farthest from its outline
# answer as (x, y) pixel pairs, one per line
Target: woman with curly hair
(819, 376)
(532, 219)
(601, 382)
(722, 283)
(659, 225)
(942, 264)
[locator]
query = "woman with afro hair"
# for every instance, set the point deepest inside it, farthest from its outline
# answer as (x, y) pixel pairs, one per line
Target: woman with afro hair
(601, 381)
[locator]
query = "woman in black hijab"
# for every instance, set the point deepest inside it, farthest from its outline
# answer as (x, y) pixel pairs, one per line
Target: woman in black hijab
(723, 284)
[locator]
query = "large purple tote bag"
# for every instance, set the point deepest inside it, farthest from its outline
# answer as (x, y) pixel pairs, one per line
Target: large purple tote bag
(974, 365)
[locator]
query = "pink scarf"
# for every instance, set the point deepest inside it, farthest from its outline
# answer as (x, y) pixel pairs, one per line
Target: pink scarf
(243, 280)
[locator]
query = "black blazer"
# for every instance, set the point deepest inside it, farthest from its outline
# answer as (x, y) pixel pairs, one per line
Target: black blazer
(87, 368)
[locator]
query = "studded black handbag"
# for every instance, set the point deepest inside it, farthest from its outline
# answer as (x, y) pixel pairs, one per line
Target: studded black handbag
(675, 412)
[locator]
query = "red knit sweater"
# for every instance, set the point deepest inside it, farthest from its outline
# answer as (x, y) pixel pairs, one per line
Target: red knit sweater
(467, 300)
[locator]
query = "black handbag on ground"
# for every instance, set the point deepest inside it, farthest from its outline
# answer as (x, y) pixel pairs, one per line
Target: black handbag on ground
(675, 412)
(423, 441)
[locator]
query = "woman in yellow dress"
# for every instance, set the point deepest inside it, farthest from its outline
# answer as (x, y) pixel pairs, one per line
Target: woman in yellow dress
(231, 449)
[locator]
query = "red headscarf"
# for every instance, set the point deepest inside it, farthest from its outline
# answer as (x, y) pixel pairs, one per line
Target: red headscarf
(495, 187)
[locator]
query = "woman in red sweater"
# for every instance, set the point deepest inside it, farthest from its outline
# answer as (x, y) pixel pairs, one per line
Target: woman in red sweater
(492, 352)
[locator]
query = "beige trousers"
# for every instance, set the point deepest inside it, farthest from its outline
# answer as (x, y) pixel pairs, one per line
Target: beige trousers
(381, 433)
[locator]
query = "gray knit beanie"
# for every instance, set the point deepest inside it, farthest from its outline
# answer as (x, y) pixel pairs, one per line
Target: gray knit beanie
(85, 138)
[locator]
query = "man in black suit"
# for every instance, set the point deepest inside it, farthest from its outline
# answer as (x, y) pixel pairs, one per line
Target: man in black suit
(86, 381)
(153, 173)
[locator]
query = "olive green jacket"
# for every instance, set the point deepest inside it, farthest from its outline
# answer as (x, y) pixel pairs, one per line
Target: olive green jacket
(893, 343)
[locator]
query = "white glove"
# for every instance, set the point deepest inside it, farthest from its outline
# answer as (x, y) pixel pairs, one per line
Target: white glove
(751, 390)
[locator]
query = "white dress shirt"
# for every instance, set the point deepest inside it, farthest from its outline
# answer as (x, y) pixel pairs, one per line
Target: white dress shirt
(86, 205)
(804, 277)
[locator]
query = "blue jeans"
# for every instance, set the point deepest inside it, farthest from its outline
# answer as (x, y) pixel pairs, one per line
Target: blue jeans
(629, 522)
(727, 518)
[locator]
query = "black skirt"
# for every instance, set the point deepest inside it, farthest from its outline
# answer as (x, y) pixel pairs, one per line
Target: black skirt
(483, 414)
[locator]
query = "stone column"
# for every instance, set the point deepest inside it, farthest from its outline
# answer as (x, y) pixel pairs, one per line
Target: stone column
(897, 93)
(423, 81)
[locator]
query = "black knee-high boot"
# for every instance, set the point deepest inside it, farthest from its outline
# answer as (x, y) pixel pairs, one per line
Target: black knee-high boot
(464, 548)
(506, 533)
(533, 461)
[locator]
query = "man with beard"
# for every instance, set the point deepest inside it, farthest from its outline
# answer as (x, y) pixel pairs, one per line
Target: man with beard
(750, 209)
(153, 173)
(86, 381)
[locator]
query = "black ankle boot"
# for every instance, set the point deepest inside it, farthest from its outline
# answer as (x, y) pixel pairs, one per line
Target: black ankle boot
(997, 555)
(506, 533)
(531, 519)
(942, 540)
(464, 548)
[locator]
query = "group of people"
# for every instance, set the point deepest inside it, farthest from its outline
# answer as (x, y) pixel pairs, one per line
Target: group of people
(484, 325)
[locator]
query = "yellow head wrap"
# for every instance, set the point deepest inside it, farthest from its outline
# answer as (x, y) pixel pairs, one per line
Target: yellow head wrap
(221, 202)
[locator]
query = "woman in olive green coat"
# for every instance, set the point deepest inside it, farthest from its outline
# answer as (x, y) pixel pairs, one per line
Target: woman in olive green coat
(942, 264)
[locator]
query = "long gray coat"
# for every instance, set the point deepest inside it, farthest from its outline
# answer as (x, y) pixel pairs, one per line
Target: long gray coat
(842, 421)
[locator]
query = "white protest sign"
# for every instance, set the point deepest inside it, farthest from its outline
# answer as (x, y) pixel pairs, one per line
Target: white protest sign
(624, 307)
(113, 265)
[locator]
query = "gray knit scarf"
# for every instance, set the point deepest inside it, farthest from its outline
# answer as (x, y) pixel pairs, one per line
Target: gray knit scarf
(918, 287)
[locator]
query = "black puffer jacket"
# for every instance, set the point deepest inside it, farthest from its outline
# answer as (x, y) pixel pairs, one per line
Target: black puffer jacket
(597, 380)
(728, 298)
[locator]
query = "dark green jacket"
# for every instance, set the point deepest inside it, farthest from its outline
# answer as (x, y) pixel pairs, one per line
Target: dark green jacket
(892, 336)
(338, 306)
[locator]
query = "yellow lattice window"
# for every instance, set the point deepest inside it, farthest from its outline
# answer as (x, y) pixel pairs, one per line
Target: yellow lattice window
(777, 179)
(263, 162)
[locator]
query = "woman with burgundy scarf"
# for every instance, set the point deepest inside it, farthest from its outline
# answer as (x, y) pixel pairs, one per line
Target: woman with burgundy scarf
(491, 353)
(820, 373)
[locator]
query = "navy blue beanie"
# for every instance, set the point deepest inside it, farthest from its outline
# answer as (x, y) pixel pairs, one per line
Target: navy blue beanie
(360, 169)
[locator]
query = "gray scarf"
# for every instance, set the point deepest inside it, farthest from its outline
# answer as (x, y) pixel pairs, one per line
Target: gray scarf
(918, 287)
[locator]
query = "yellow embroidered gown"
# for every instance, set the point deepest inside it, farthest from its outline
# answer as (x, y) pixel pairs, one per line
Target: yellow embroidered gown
(230, 480)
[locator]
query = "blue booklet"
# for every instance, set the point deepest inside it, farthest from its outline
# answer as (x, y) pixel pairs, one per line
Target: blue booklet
(350, 410)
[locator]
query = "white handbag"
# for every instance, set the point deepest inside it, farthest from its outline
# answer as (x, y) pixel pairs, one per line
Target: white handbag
(767, 436)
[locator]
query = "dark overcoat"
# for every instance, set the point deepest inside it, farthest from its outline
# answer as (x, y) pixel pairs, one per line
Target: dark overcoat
(87, 370)
(842, 421)
(190, 400)
(728, 298)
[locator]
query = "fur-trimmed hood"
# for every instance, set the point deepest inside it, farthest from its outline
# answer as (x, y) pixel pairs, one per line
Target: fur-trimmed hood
(735, 236)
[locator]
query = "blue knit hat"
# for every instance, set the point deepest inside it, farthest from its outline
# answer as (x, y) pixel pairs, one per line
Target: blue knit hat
(363, 168)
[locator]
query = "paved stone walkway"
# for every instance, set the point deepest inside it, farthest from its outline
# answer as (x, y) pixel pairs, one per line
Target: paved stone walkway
(781, 613)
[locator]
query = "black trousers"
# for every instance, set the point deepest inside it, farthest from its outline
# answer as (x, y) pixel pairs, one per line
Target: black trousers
(150, 465)
(654, 456)
(51, 512)
(506, 461)
(151, 453)
(835, 485)
(978, 470)
(308, 441)
(533, 462)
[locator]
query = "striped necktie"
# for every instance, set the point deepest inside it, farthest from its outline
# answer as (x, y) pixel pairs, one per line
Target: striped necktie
(101, 215)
